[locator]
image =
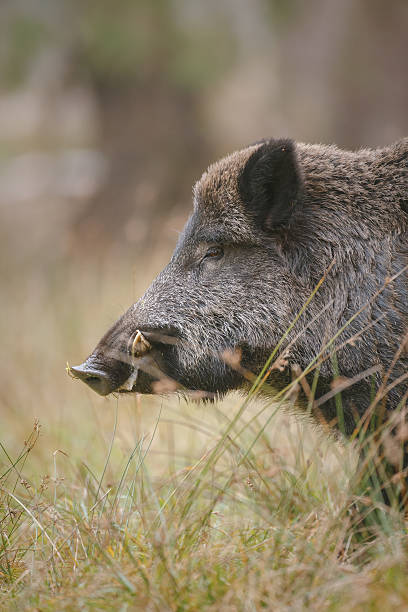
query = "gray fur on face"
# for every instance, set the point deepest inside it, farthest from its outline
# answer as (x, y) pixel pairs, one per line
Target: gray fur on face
(268, 222)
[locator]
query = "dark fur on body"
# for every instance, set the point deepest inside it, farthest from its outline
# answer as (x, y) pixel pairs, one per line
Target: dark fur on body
(268, 222)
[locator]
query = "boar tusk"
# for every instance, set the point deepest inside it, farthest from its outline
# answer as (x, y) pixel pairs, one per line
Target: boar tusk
(140, 345)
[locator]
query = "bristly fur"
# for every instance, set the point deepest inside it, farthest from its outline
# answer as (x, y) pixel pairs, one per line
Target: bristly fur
(280, 215)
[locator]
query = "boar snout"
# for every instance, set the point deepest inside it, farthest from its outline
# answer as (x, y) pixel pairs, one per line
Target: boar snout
(97, 377)
(110, 369)
(104, 374)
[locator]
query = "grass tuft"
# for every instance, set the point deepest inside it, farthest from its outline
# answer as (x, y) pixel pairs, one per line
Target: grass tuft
(273, 528)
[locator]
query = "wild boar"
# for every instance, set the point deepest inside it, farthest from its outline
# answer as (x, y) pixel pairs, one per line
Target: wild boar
(277, 225)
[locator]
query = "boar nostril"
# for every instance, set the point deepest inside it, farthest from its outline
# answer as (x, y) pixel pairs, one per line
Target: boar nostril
(98, 381)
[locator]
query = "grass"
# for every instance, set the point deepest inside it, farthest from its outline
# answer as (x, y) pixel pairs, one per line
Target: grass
(160, 503)
(135, 530)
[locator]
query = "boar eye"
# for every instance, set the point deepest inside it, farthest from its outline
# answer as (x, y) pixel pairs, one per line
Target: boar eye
(214, 252)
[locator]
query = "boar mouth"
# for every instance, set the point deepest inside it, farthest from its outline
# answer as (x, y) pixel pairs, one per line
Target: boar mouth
(110, 370)
(130, 384)
(138, 349)
(147, 377)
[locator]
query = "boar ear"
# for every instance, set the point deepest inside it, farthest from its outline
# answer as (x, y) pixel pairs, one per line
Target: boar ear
(270, 183)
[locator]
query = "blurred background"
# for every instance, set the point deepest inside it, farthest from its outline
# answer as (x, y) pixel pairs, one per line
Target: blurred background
(109, 112)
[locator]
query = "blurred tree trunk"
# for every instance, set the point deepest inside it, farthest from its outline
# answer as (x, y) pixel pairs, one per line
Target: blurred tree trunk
(155, 150)
(343, 66)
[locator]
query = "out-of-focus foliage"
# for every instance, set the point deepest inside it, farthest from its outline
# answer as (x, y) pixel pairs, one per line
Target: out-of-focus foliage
(122, 105)
(117, 43)
(144, 39)
(23, 38)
